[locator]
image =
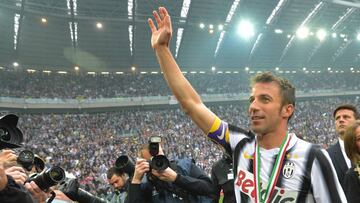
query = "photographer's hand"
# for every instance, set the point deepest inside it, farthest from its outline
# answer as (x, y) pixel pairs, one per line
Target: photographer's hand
(7, 155)
(36, 192)
(3, 178)
(141, 167)
(17, 173)
(167, 175)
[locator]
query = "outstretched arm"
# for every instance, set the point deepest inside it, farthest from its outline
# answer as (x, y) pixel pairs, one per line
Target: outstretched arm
(186, 95)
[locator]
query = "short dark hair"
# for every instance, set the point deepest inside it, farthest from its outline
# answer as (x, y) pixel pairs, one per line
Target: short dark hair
(287, 90)
(348, 107)
(113, 171)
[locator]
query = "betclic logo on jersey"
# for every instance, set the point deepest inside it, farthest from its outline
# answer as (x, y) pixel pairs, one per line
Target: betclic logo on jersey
(245, 183)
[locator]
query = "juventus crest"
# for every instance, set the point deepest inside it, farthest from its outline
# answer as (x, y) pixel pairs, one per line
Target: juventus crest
(288, 170)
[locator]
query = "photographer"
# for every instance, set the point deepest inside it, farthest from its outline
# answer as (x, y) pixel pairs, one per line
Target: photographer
(14, 183)
(176, 181)
(120, 181)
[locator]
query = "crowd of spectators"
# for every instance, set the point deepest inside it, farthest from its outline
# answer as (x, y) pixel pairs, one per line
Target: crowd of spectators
(86, 145)
(82, 85)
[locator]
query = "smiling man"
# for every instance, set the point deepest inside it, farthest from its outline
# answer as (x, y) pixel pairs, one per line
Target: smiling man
(344, 115)
(280, 167)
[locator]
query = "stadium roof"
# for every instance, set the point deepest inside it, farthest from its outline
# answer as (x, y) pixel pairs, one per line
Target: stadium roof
(113, 35)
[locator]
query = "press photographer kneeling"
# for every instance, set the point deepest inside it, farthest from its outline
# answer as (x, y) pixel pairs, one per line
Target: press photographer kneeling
(157, 180)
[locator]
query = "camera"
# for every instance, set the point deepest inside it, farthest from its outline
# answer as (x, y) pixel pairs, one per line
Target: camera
(27, 159)
(158, 162)
(125, 165)
(10, 135)
(48, 178)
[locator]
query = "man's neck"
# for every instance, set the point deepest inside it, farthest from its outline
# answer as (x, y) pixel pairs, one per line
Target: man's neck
(272, 140)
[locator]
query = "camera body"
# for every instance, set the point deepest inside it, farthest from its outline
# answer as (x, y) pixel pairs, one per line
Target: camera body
(158, 162)
(48, 178)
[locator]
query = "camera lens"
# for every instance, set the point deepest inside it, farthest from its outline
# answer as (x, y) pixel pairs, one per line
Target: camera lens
(160, 163)
(26, 159)
(4, 135)
(57, 174)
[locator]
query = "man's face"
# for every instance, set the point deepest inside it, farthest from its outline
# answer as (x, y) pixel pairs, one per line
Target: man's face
(265, 108)
(118, 182)
(343, 118)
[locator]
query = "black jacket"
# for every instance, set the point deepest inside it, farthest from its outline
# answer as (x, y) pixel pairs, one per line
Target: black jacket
(338, 161)
(15, 193)
(352, 186)
(192, 185)
(222, 178)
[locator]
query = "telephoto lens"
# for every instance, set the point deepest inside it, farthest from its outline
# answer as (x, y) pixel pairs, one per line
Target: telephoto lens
(159, 163)
(50, 177)
(124, 164)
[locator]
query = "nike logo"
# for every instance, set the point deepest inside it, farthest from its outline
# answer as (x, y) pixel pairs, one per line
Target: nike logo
(221, 137)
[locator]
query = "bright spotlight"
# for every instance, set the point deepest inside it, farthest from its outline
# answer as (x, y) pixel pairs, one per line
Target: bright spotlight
(334, 35)
(278, 31)
(202, 25)
(321, 34)
(43, 20)
(246, 29)
(133, 68)
(211, 31)
(76, 68)
(211, 26)
(99, 25)
(213, 68)
(277, 68)
(220, 27)
(358, 37)
(302, 32)
(15, 64)
(247, 68)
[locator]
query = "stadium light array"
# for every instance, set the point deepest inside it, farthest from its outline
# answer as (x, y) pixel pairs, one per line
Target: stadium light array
(278, 31)
(246, 29)
(302, 32)
(321, 34)
(220, 27)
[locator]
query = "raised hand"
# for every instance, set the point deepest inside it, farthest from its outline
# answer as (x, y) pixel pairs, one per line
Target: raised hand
(141, 167)
(161, 34)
